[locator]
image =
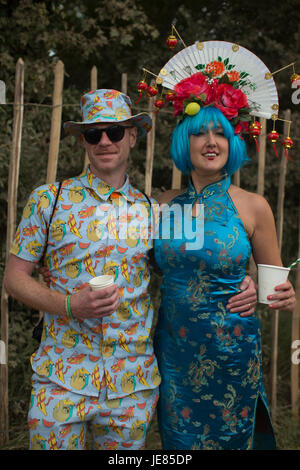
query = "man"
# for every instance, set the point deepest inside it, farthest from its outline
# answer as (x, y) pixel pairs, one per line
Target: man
(95, 363)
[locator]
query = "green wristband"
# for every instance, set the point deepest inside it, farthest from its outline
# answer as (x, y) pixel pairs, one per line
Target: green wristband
(68, 307)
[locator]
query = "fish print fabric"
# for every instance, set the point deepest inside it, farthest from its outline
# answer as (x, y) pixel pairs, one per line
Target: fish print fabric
(209, 358)
(95, 230)
(61, 420)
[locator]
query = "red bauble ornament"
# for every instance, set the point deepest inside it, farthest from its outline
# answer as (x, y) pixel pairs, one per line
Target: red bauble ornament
(171, 41)
(273, 136)
(170, 95)
(254, 131)
(159, 103)
(295, 77)
(287, 143)
(141, 86)
(152, 91)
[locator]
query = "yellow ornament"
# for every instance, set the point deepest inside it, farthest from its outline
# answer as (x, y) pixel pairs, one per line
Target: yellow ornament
(192, 109)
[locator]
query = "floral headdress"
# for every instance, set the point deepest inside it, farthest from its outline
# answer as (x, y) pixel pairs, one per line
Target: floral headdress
(220, 74)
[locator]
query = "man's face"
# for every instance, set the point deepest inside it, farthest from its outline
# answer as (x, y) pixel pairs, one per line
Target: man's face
(107, 157)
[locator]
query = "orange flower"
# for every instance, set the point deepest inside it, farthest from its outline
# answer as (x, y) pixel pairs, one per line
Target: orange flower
(216, 67)
(233, 75)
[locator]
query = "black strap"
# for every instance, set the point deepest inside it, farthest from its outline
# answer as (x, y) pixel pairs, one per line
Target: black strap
(38, 329)
(148, 199)
(49, 224)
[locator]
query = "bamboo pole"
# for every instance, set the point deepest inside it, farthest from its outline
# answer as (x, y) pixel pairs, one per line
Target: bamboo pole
(124, 83)
(279, 228)
(13, 179)
(94, 86)
(57, 103)
(261, 158)
(55, 122)
(150, 150)
(176, 178)
(237, 178)
(295, 335)
(260, 182)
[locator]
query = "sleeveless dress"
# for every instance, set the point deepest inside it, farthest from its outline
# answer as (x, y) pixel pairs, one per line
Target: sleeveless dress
(209, 358)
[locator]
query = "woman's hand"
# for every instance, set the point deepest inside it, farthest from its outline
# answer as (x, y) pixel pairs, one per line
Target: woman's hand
(45, 273)
(285, 299)
(245, 302)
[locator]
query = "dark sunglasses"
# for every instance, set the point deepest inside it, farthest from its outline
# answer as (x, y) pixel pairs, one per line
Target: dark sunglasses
(93, 135)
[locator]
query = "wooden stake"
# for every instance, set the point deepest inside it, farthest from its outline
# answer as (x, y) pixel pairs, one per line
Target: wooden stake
(94, 86)
(55, 122)
(150, 150)
(124, 83)
(275, 315)
(237, 178)
(260, 182)
(295, 335)
(13, 180)
(261, 158)
(176, 178)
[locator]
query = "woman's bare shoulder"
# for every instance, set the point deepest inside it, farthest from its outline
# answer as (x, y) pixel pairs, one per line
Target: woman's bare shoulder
(169, 195)
(252, 201)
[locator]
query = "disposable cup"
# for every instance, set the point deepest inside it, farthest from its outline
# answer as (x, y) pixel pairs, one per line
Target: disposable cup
(100, 282)
(269, 277)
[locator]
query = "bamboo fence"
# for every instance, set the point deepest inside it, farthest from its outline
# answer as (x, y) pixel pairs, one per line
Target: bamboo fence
(176, 183)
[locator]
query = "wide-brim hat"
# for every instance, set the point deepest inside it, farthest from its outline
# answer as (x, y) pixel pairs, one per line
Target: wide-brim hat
(109, 106)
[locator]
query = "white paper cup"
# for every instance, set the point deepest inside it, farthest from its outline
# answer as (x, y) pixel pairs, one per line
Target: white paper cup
(100, 282)
(268, 278)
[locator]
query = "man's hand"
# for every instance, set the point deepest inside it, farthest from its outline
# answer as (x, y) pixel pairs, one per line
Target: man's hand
(244, 302)
(285, 299)
(87, 303)
(95, 304)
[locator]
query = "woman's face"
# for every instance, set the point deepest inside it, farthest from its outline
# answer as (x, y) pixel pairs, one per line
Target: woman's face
(209, 151)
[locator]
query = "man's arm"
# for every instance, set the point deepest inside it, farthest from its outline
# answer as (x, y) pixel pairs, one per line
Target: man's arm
(20, 284)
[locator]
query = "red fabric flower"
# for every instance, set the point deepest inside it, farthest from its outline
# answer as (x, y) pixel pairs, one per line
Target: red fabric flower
(223, 96)
(229, 100)
(195, 85)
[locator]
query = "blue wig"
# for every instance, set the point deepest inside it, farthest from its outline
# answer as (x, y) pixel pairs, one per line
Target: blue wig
(207, 117)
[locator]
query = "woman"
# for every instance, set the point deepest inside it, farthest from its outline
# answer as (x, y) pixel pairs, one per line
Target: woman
(212, 395)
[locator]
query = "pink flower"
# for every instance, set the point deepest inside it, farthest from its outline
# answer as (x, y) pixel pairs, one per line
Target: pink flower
(229, 100)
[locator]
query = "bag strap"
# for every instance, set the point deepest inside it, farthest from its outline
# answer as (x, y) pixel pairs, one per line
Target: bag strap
(49, 224)
(147, 197)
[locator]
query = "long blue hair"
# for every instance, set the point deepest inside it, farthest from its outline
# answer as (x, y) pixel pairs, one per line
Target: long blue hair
(212, 117)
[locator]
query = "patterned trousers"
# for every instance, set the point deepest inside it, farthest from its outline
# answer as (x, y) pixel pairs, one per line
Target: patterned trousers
(59, 419)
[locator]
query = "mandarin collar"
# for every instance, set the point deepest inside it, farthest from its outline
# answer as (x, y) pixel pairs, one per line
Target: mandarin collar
(103, 190)
(212, 189)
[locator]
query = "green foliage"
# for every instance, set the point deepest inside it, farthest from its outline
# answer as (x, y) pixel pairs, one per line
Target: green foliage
(123, 36)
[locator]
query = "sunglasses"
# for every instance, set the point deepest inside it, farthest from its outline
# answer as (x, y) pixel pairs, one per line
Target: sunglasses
(93, 135)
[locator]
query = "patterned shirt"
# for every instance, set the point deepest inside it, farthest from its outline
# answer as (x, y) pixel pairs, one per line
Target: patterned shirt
(95, 230)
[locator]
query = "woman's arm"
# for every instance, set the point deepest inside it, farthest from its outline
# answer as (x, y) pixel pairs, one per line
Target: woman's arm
(266, 251)
(259, 222)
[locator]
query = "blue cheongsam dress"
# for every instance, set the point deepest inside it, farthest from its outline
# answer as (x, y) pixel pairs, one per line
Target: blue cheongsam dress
(212, 392)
